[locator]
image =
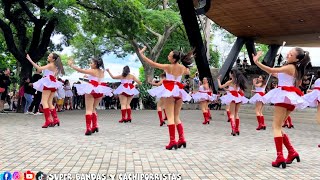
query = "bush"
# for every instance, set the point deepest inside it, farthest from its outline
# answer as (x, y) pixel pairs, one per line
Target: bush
(147, 100)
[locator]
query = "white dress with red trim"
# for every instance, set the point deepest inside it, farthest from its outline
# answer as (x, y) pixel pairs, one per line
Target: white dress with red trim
(203, 95)
(286, 93)
(258, 97)
(126, 87)
(48, 81)
(171, 87)
(68, 91)
(233, 95)
(313, 97)
(94, 86)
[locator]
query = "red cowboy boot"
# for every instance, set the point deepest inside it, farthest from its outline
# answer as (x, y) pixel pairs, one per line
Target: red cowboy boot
(290, 125)
(165, 115)
(160, 118)
(209, 114)
(228, 114)
(95, 123)
(233, 132)
(55, 117)
(292, 153)
(181, 141)
(264, 127)
(280, 161)
(123, 115)
(206, 118)
(172, 131)
(259, 123)
(88, 124)
(237, 128)
(48, 121)
(128, 115)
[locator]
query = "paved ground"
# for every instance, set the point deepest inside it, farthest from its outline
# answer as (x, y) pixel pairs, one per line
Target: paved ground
(211, 153)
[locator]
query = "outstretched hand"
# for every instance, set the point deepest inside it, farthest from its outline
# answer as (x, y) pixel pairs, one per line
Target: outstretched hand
(28, 57)
(108, 70)
(70, 62)
(141, 51)
(256, 57)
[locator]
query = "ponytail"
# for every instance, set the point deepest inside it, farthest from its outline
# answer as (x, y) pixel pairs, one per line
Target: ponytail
(125, 71)
(58, 63)
(186, 59)
(303, 60)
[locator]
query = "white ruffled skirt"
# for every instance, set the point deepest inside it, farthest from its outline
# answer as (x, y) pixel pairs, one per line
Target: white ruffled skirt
(89, 88)
(162, 92)
(312, 98)
(46, 82)
(69, 93)
(228, 98)
(256, 98)
(278, 95)
(121, 89)
(202, 96)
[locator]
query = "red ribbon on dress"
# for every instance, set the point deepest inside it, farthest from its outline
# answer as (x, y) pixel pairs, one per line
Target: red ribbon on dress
(104, 84)
(261, 93)
(292, 89)
(52, 78)
(209, 93)
(169, 85)
(126, 85)
(94, 83)
(317, 88)
(237, 93)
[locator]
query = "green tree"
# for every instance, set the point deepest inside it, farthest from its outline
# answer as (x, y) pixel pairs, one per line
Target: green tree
(28, 25)
(129, 25)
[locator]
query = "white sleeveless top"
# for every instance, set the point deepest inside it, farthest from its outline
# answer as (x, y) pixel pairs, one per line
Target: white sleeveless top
(47, 72)
(317, 83)
(285, 80)
(171, 77)
(124, 81)
(259, 89)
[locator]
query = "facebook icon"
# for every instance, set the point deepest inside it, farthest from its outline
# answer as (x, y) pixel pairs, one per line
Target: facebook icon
(7, 176)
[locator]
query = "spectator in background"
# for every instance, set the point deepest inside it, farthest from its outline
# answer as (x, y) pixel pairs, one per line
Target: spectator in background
(28, 94)
(37, 95)
(4, 85)
(196, 81)
(305, 84)
(76, 97)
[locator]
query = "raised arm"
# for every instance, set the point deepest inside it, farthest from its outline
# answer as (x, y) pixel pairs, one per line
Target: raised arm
(284, 69)
(224, 85)
(40, 68)
(150, 62)
(84, 71)
(137, 80)
(112, 76)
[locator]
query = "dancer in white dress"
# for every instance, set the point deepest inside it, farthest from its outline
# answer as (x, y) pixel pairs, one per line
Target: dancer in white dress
(172, 91)
(286, 98)
(69, 95)
(204, 96)
(126, 91)
(48, 85)
(160, 103)
(235, 97)
(260, 86)
(93, 91)
(313, 97)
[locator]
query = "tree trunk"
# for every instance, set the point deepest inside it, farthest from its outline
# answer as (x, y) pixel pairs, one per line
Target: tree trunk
(148, 71)
(26, 69)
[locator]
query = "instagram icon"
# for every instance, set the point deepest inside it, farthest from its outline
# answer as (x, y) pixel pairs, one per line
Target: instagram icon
(17, 176)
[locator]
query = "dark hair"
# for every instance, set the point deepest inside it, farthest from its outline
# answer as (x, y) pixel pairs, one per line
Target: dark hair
(186, 59)
(66, 81)
(125, 71)
(264, 80)
(24, 79)
(303, 60)
(98, 62)
(239, 79)
(318, 73)
(58, 63)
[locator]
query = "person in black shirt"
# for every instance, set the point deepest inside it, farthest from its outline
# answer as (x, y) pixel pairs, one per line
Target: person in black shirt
(37, 95)
(4, 83)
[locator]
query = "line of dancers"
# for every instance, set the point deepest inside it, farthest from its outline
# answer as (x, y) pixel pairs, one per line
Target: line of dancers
(170, 95)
